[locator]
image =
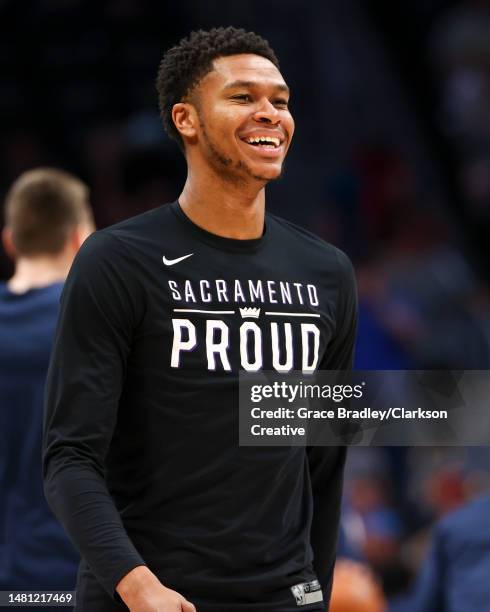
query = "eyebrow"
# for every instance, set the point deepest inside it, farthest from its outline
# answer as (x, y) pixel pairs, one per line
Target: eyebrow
(250, 84)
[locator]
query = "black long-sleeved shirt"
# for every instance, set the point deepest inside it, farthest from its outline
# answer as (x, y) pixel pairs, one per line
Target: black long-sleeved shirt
(141, 457)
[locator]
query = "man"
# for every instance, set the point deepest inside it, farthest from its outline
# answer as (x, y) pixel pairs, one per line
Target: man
(454, 576)
(159, 314)
(47, 217)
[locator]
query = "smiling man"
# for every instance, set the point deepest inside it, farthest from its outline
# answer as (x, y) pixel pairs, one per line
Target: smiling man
(158, 316)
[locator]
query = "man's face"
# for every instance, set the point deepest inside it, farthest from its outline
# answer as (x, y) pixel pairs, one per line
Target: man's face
(245, 125)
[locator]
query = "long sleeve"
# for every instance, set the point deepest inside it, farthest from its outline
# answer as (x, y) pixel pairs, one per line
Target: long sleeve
(326, 464)
(428, 593)
(85, 380)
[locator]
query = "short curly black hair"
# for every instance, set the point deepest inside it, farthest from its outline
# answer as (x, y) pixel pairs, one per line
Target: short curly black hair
(184, 65)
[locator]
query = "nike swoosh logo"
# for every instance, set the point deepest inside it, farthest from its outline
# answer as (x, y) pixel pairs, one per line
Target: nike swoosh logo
(171, 262)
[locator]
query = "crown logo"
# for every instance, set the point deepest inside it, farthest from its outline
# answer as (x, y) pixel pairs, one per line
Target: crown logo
(250, 313)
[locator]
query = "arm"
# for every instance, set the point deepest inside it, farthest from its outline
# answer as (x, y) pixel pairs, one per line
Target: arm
(85, 380)
(428, 593)
(99, 312)
(326, 464)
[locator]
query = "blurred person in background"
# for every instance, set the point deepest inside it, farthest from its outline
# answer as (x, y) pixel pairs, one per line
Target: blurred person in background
(47, 217)
(372, 527)
(454, 575)
(355, 589)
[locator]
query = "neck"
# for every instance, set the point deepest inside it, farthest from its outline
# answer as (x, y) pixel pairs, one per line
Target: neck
(231, 210)
(36, 272)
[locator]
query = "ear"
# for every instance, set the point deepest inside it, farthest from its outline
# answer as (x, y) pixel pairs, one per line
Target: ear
(185, 119)
(8, 243)
(79, 235)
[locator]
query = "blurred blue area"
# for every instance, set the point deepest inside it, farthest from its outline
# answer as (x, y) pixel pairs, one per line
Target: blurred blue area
(376, 348)
(35, 553)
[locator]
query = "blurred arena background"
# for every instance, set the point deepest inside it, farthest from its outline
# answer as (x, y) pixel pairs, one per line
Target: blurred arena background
(390, 161)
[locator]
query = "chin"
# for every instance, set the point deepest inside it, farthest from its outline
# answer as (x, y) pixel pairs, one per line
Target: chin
(266, 174)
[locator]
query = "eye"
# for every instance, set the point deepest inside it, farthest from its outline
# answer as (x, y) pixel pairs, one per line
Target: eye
(282, 102)
(242, 97)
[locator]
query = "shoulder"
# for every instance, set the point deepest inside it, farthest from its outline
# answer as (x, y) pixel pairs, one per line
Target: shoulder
(103, 276)
(469, 517)
(101, 256)
(309, 244)
(304, 239)
(121, 240)
(144, 223)
(99, 246)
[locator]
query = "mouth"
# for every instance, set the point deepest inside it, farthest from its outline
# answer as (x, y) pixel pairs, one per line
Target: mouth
(266, 146)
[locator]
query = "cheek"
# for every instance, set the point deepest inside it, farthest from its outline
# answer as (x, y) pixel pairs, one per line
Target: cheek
(227, 121)
(290, 125)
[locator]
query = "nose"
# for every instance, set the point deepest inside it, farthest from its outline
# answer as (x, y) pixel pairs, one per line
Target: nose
(267, 113)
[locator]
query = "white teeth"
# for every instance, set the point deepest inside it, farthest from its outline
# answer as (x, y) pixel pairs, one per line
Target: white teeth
(265, 139)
